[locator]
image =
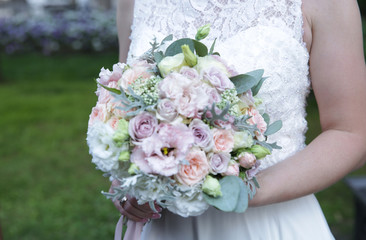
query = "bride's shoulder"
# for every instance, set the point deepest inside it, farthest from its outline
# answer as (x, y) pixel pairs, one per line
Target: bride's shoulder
(326, 15)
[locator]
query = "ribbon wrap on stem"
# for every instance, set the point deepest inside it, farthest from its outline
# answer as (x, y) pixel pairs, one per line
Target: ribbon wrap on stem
(133, 232)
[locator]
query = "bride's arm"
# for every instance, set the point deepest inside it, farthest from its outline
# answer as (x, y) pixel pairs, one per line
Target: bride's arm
(338, 76)
(124, 21)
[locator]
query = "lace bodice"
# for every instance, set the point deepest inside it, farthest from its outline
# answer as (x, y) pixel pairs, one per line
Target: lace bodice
(251, 34)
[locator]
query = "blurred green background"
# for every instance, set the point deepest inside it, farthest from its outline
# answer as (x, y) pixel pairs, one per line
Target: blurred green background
(49, 188)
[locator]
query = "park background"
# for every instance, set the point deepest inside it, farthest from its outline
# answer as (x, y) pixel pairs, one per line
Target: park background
(49, 189)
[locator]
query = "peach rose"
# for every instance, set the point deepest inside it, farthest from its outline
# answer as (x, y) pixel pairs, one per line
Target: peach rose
(223, 140)
(196, 170)
(99, 112)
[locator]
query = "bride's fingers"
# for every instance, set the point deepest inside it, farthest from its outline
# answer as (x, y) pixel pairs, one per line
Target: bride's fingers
(144, 207)
(129, 207)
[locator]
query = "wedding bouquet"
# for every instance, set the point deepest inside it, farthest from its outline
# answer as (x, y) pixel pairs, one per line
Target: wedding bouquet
(181, 128)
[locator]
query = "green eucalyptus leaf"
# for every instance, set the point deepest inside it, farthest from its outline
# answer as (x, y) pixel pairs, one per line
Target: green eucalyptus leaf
(244, 82)
(266, 118)
(167, 38)
(158, 56)
(273, 128)
(176, 47)
(201, 49)
(230, 188)
(242, 203)
(257, 87)
(113, 90)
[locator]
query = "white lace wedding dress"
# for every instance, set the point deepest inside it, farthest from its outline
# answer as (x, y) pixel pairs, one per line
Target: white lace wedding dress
(251, 34)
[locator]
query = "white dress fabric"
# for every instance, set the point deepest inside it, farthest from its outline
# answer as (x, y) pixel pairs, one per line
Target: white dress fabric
(251, 34)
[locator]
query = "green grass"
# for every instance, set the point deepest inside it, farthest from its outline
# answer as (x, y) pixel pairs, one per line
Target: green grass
(49, 188)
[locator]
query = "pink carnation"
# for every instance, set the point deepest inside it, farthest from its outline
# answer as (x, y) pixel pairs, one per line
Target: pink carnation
(257, 119)
(139, 69)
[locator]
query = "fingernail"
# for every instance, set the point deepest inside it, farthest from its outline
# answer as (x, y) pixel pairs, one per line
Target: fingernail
(144, 220)
(156, 216)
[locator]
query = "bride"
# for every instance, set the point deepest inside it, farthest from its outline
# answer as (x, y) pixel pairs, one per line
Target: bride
(291, 40)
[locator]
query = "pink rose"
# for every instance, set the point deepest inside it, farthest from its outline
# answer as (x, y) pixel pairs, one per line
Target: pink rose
(142, 126)
(196, 170)
(247, 160)
(219, 162)
(223, 140)
(232, 169)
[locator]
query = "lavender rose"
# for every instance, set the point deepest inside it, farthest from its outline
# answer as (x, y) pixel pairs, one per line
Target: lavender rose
(218, 79)
(166, 110)
(142, 126)
(219, 162)
(202, 134)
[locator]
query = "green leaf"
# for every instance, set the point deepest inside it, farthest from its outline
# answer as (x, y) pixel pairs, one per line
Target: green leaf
(255, 182)
(167, 38)
(273, 128)
(212, 46)
(244, 82)
(257, 87)
(201, 49)
(176, 47)
(242, 203)
(266, 118)
(231, 193)
(113, 90)
(158, 56)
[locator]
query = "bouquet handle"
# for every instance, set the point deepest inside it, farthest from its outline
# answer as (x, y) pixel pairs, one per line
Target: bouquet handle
(133, 232)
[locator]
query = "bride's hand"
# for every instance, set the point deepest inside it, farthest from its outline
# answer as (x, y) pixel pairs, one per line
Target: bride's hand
(132, 210)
